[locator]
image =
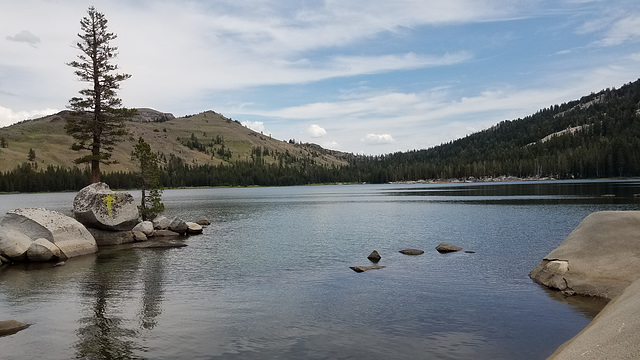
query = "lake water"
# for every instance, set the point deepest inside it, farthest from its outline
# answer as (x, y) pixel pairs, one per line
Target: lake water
(270, 278)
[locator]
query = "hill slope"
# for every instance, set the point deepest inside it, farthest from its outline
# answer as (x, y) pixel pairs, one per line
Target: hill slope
(205, 138)
(596, 136)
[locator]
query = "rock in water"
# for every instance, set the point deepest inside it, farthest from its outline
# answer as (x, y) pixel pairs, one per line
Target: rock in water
(374, 257)
(446, 248)
(10, 327)
(99, 207)
(161, 223)
(193, 228)
(13, 243)
(412, 252)
(360, 269)
(178, 225)
(64, 232)
(145, 227)
(43, 250)
(204, 222)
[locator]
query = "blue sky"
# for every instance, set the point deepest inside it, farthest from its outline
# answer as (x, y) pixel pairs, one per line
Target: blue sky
(368, 77)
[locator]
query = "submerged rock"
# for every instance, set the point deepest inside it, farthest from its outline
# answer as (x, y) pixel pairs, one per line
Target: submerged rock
(360, 269)
(10, 327)
(446, 248)
(412, 252)
(374, 256)
(203, 222)
(155, 244)
(97, 206)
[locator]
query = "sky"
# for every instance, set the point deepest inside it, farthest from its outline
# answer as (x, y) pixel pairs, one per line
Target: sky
(368, 77)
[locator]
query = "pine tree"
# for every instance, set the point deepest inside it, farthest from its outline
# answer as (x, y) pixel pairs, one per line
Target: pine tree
(100, 121)
(32, 155)
(148, 180)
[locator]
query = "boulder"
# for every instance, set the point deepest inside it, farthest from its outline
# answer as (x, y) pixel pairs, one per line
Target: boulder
(374, 257)
(139, 236)
(145, 227)
(178, 225)
(446, 248)
(193, 228)
(4, 260)
(13, 243)
(10, 327)
(203, 222)
(43, 250)
(600, 257)
(360, 269)
(165, 233)
(106, 237)
(97, 206)
(412, 252)
(161, 223)
(71, 237)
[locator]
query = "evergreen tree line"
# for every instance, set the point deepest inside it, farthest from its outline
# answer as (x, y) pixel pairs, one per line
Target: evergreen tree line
(604, 141)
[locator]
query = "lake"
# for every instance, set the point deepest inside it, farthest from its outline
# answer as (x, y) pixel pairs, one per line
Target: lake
(270, 278)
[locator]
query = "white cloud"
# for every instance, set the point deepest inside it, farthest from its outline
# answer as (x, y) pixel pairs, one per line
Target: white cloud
(624, 30)
(8, 116)
(257, 126)
(377, 139)
(316, 131)
(26, 37)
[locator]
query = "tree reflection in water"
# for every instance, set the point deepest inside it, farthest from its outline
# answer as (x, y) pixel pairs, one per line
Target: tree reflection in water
(107, 330)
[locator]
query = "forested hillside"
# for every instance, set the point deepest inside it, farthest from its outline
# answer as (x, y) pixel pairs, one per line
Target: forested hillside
(594, 137)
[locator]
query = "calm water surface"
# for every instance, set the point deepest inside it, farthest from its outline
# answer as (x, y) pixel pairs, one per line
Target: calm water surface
(270, 278)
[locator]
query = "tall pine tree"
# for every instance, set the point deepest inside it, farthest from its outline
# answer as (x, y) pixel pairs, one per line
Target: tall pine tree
(100, 121)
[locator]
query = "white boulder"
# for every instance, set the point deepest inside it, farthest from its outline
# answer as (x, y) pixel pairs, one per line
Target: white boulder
(67, 234)
(145, 227)
(43, 250)
(13, 243)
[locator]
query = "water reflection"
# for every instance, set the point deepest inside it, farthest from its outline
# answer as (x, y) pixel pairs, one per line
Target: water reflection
(103, 332)
(111, 288)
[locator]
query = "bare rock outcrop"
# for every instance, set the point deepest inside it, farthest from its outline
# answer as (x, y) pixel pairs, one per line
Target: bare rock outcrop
(601, 257)
(99, 207)
(43, 235)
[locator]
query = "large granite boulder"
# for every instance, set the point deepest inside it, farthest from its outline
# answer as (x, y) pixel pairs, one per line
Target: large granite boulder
(99, 207)
(56, 236)
(600, 257)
